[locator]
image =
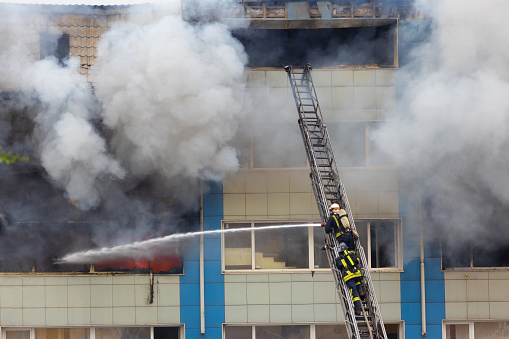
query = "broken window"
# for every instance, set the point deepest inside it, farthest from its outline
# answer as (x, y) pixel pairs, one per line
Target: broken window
(322, 47)
(56, 45)
(471, 256)
(381, 240)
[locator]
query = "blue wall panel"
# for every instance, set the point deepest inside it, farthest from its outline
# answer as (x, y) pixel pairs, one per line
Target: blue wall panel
(411, 313)
(190, 315)
(214, 280)
(414, 331)
(410, 291)
(410, 279)
(212, 248)
(412, 269)
(190, 294)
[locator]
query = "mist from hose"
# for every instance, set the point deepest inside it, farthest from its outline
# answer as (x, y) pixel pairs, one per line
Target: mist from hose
(156, 245)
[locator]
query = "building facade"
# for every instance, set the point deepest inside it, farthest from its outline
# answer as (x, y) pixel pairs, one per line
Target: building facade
(270, 283)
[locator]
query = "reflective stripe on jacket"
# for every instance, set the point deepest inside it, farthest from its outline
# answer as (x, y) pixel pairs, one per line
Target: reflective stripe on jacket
(339, 226)
(349, 269)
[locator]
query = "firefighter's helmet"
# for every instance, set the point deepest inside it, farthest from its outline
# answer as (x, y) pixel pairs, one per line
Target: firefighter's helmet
(334, 208)
(342, 247)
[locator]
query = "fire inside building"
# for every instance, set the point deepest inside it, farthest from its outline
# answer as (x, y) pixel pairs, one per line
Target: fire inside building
(166, 191)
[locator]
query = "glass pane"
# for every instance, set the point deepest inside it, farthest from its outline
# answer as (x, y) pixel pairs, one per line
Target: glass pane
(383, 246)
(349, 143)
(278, 332)
(331, 331)
(490, 257)
(321, 260)
(455, 256)
(281, 248)
(392, 331)
(362, 229)
(237, 332)
(166, 332)
(122, 333)
(62, 333)
(17, 334)
(457, 331)
(278, 145)
(492, 330)
(237, 247)
(378, 155)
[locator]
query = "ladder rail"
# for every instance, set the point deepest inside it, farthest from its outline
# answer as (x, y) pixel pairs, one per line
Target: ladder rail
(328, 188)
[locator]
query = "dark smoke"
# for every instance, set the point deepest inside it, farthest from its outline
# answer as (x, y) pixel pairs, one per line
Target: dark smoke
(122, 161)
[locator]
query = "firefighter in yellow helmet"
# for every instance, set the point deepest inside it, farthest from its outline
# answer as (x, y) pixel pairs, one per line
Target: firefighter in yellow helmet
(339, 224)
(347, 263)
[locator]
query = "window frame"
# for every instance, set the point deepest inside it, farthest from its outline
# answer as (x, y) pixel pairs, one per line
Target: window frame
(398, 234)
(368, 157)
(398, 241)
(471, 325)
(470, 267)
(92, 329)
(312, 327)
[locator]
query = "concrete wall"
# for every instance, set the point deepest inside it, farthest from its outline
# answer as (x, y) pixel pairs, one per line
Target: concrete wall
(476, 295)
(88, 300)
(298, 297)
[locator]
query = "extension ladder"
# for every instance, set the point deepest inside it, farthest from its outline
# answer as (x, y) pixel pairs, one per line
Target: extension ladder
(328, 189)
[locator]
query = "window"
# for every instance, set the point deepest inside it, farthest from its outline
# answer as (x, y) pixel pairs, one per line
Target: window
(276, 332)
(279, 248)
(297, 331)
(122, 332)
(348, 141)
(56, 45)
(378, 156)
(62, 333)
(93, 332)
(472, 256)
(278, 145)
(301, 247)
(322, 47)
(477, 329)
(245, 332)
(17, 334)
(381, 240)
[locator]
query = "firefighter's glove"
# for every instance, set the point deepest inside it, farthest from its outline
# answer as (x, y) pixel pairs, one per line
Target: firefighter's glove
(322, 224)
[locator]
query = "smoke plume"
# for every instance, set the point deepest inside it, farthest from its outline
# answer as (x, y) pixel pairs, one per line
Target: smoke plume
(159, 118)
(453, 121)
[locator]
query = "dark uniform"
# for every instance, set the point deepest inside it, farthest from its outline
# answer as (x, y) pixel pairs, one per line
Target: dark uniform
(342, 235)
(347, 265)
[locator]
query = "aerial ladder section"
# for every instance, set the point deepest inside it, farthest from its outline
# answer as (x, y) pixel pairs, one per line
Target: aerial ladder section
(328, 189)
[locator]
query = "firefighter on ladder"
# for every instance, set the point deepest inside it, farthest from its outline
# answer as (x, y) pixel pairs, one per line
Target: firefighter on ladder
(346, 263)
(339, 224)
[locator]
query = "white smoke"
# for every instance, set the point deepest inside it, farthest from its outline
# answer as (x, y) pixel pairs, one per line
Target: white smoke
(75, 156)
(172, 95)
(168, 94)
(454, 115)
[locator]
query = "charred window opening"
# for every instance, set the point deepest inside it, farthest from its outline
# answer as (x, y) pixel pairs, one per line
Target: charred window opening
(56, 45)
(472, 256)
(39, 226)
(323, 47)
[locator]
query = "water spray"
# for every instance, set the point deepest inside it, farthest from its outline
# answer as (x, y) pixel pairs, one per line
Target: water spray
(147, 247)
